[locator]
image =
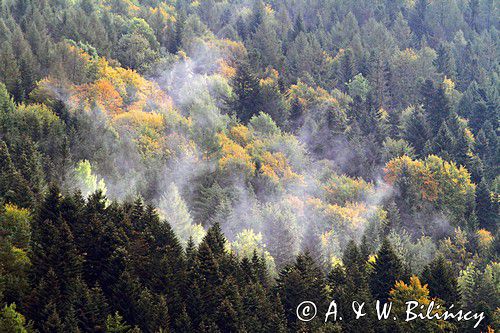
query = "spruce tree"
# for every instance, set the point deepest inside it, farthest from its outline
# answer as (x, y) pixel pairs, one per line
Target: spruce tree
(486, 210)
(416, 131)
(436, 104)
(387, 269)
(356, 288)
(440, 276)
(301, 281)
(246, 90)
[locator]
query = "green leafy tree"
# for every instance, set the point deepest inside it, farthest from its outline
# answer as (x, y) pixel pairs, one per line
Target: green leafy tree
(12, 321)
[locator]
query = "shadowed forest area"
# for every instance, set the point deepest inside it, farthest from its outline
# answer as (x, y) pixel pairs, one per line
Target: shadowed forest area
(206, 166)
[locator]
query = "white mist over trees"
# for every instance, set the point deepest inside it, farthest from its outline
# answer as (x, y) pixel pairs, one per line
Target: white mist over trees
(190, 166)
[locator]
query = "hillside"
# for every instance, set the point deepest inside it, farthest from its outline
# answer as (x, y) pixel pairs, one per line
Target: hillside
(206, 166)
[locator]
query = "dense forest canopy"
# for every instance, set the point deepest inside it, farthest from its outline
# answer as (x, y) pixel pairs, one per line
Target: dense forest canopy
(206, 166)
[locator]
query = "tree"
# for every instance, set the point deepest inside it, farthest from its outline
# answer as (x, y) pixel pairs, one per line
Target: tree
(486, 210)
(134, 51)
(10, 74)
(415, 291)
(356, 288)
(115, 324)
(246, 102)
(417, 19)
(436, 104)
(302, 280)
(439, 275)
(347, 68)
(12, 321)
(176, 211)
(387, 269)
(416, 130)
(445, 61)
(13, 187)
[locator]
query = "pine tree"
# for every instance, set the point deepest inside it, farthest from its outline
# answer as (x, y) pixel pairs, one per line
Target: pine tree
(28, 66)
(347, 69)
(227, 317)
(417, 19)
(10, 74)
(183, 322)
(445, 61)
(115, 324)
(13, 187)
(301, 281)
(444, 143)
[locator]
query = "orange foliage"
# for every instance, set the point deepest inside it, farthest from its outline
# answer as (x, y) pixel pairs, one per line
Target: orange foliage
(418, 172)
(101, 94)
(225, 70)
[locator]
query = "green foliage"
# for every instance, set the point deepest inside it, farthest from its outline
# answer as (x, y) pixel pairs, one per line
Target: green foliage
(276, 121)
(359, 87)
(387, 269)
(12, 321)
(87, 181)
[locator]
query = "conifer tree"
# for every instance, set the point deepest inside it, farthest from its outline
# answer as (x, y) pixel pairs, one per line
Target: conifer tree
(356, 288)
(246, 90)
(386, 271)
(436, 104)
(303, 280)
(486, 210)
(417, 130)
(440, 277)
(10, 74)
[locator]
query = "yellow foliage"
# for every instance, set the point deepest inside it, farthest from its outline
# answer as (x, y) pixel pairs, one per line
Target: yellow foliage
(276, 167)
(225, 70)
(414, 291)
(229, 50)
(101, 94)
(269, 9)
(449, 85)
(409, 54)
(234, 156)
(136, 119)
(340, 189)
(307, 95)
(485, 238)
(240, 134)
(163, 11)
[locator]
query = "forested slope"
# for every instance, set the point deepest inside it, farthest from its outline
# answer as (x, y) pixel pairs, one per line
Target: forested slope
(206, 166)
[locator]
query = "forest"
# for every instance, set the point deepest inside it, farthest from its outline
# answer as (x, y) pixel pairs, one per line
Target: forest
(208, 165)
